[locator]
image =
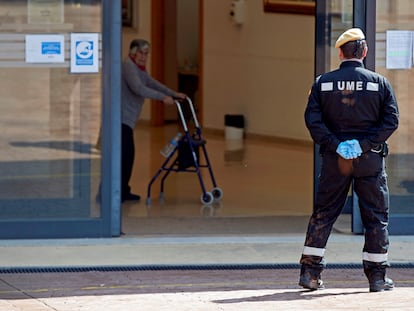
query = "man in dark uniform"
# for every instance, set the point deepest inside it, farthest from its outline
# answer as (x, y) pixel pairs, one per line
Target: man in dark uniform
(351, 112)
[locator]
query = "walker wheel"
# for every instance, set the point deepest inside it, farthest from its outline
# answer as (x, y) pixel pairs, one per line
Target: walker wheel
(217, 193)
(207, 198)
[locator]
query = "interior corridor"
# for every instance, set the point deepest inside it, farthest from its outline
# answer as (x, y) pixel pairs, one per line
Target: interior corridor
(267, 187)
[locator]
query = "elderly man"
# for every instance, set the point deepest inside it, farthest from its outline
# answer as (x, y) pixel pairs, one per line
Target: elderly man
(351, 112)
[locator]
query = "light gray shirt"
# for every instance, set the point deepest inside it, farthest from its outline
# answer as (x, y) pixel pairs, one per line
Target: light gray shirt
(137, 85)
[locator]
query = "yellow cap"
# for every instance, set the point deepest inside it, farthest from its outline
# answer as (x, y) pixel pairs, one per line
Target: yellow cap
(352, 34)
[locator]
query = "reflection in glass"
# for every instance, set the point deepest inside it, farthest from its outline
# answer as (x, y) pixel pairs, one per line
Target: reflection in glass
(50, 118)
(398, 15)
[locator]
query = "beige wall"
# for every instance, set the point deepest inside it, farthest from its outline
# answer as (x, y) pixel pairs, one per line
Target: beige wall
(187, 32)
(262, 69)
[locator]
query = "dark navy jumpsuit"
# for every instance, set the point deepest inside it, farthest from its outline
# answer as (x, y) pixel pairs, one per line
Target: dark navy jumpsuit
(350, 103)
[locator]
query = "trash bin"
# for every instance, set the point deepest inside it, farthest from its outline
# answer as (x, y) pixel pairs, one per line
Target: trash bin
(234, 134)
(234, 126)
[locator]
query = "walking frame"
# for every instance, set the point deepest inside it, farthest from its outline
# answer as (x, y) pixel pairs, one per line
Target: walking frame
(185, 158)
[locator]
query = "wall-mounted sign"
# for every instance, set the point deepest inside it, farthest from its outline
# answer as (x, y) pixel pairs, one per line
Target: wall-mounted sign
(84, 53)
(399, 49)
(45, 11)
(45, 48)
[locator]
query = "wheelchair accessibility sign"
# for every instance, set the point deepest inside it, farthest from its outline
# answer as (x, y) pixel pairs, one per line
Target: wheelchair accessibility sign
(84, 53)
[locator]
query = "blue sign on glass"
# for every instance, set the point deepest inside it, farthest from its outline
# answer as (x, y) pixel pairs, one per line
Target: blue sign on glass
(51, 48)
(84, 53)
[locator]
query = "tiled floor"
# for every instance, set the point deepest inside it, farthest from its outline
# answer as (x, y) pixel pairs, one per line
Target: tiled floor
(260, 179)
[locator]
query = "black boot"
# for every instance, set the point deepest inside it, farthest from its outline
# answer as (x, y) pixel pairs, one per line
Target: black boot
(381, 285)
(310, 272)
(376, 274)
(310, 278)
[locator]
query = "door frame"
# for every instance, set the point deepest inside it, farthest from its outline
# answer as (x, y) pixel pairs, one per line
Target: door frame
(157, 58)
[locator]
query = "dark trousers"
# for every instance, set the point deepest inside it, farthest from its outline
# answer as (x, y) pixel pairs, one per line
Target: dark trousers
(370, 184)
(127, 158)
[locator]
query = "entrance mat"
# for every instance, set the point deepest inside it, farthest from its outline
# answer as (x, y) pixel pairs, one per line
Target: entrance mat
(288, 266)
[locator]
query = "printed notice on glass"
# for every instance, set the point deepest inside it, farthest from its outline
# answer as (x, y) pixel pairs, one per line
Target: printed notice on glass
(84, 53)
(399, 49)
(45, 48)
(45, 11)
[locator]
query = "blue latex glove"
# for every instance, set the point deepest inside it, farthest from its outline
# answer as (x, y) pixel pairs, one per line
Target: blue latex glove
(355, 147)
(344, 150)
(350, 152)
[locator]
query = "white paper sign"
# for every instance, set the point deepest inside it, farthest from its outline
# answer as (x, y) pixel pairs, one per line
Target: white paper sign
(84, 53)
(45, 48)
(399, 49)
(45, 11)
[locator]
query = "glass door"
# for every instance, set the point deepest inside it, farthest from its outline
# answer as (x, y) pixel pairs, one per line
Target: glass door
(50, 115)
(394, 59)
(379, 20)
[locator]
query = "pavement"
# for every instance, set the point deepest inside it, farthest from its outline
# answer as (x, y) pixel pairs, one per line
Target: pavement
(252, 272)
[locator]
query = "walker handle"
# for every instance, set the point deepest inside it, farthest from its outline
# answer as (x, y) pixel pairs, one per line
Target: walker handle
(190, 104)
